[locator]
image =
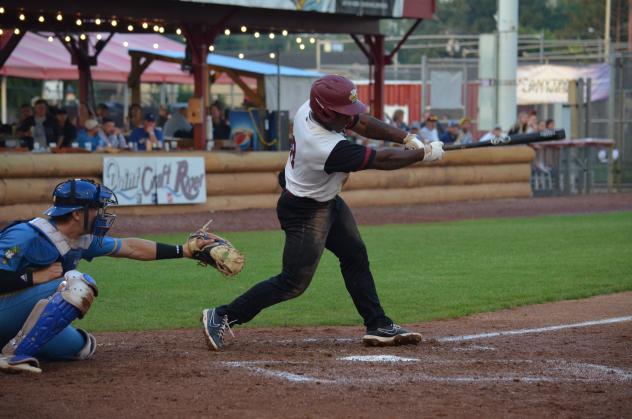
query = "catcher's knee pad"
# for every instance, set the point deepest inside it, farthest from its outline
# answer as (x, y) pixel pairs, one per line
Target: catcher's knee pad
(79, 290)
(49, 317)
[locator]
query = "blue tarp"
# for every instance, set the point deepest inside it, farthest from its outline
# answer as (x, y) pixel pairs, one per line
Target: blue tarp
(241, 65)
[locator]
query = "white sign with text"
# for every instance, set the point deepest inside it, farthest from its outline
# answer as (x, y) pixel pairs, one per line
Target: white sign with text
(156, 180)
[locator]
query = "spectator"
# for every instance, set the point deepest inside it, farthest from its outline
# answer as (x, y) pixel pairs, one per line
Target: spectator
(65, 131)
(541, 126)
(465, 134)
(532, 122)
(520, 126)
(221, 129)
(24, 113)
(134, 117)
(103, 111)
(111, 136)
(429, 132)
(451, 134)
(398, 120)
(163, 116)
(178, 126)
(426, 115)
(147, 137)
(442, 124)
(496, 132)
(88, 137)
(84, 113)
(550, 124)
(38, 130)
(415, 127)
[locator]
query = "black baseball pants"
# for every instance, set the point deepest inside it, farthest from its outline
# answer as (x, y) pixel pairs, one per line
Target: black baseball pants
(310, 227)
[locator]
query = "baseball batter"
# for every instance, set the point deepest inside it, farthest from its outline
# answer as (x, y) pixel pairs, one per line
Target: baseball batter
(41, 292)
(314, 217)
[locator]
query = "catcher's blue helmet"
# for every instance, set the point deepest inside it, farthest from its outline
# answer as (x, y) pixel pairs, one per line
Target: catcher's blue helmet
(83, 194)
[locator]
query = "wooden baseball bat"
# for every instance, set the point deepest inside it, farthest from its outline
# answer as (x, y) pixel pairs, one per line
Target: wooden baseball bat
(534, 137)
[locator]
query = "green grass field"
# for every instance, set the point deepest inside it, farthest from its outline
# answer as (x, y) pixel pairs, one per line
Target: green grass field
(422, 271)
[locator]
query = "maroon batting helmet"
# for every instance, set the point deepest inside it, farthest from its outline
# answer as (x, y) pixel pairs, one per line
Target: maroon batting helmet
(334, 93)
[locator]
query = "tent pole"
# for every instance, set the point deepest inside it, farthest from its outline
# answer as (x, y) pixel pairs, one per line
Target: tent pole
(4, 99)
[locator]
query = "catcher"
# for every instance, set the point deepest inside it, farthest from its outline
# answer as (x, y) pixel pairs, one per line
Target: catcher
(41, 292)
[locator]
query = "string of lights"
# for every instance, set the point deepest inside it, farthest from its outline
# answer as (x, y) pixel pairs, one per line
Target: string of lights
(91, 24)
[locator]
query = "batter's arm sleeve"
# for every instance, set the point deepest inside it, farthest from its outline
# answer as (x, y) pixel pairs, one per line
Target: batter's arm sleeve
(348, 157)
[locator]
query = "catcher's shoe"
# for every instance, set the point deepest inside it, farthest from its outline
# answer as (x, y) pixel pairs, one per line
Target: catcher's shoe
(391, 335)
(215, 326)
(15, 364)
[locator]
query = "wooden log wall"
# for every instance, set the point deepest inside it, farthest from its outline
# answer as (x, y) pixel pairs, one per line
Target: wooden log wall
(249, 180)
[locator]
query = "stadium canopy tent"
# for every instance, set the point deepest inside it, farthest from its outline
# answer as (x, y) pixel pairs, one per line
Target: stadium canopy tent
(200, 22)
(267, 75)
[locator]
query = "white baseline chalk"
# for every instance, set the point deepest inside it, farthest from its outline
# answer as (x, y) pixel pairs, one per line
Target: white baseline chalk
(535, 330)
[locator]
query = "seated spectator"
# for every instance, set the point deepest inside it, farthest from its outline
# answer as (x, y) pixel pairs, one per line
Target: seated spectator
(134, 117)
(25, 112)
(429, 132)
(147, 137)
(451, 134)
(178, 126)
(103, 111)
(415, 127)
(111, 136)
(89, 137)
(38, 130)
(221, 128)
(532, 122)
(520, 126)
(398, 120)
(163, 116)
(465, 134)
(65, 131)
(442, 124)
(550, 124)
(496, 132)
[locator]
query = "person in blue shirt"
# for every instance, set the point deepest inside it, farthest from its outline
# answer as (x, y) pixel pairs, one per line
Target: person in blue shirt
(147, 137)
(451, 134)
(89, 137)
(41, 290)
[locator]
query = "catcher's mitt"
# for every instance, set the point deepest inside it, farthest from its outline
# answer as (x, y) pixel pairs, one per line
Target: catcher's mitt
(220, 254)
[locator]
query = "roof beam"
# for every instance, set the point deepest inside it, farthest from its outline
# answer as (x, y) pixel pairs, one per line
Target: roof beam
(8, 42)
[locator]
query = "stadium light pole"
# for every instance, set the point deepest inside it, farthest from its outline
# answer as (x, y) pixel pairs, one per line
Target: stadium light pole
(507, 61)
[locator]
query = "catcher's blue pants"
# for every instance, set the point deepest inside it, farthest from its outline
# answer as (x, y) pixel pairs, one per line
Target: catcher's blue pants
(15, 307)
(310, 227)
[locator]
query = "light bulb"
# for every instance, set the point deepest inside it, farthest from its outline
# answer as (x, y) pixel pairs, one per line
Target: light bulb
(284, 33)
(312, 40)
(241, 56)
(22, 17)
(211, 48)
(302, 46)
(40, 19)
(178, 31)
(78, 22)
(16, 31)
(50, 39)
(298, 40)
(226, 32)
(272, 55)
(145, 25)
(97, 21)
(244, 29)
(271, 35)
(114, 22)
(156, 45)
(125, 44)
(257, 34)
(130, 28)
(99, 37)
(82, 36)
(59, 17)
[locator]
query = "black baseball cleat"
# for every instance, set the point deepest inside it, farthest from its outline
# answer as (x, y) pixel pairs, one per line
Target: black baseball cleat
(392, 335)
(215, 327)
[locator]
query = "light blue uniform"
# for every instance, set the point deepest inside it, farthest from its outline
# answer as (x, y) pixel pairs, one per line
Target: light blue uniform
(36, 244)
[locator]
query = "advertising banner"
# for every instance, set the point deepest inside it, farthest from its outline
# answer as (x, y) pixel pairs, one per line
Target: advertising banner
(549, 83)
(156, 180)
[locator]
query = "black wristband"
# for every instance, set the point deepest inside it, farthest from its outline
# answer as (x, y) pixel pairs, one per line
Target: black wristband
(14, 281)
(168, 251)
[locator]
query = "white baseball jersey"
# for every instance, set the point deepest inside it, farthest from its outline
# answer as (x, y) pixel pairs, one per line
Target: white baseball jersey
(320, 160)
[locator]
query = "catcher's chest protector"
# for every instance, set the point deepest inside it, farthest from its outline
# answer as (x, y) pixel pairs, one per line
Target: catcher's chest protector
(305, 174)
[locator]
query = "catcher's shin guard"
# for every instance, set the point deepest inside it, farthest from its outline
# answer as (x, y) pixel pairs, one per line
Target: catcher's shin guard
(49, 317)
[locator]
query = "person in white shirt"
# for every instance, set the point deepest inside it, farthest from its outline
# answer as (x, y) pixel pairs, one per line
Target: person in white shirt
(178, 126)
(314, 217)
(429, 131)
(496, 132)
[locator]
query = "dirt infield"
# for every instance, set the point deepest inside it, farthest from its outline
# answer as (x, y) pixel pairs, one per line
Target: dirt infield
(580, 371)
(564, 359)
(265, 219)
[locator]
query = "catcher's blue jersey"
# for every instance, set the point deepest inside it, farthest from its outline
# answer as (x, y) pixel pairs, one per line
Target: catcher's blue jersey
(37, 244)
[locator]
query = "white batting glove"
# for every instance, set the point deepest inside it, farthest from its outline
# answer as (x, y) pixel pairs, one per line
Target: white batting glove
(433, 151)
(411, 142)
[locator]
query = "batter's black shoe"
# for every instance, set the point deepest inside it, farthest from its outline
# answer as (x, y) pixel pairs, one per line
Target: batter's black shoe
(391, 335)
(215, 326)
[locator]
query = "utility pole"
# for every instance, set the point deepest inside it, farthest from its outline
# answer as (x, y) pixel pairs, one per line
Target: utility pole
(606, 33)
(507, 61)
(629, 25)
